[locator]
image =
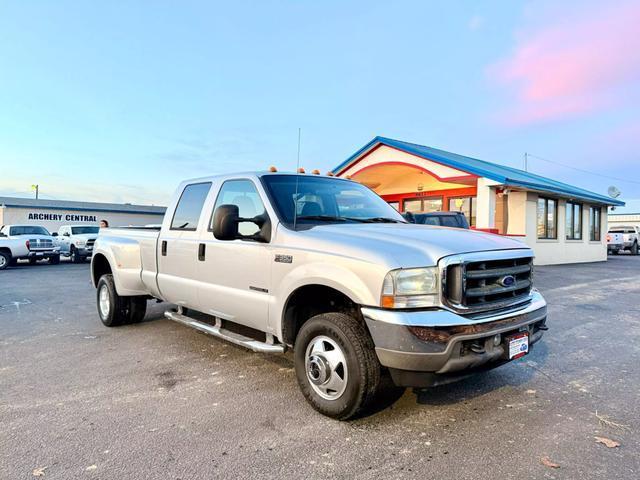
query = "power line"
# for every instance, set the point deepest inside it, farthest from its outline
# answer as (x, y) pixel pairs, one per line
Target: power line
(582, 170)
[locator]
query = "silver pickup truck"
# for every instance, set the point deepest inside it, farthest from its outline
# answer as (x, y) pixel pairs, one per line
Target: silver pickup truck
(324, 266)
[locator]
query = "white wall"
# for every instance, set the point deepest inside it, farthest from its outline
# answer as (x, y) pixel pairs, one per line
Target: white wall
(13, 215)
(561, 250)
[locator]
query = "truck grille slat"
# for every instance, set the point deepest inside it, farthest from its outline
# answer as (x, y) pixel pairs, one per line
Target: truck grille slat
(472, 285)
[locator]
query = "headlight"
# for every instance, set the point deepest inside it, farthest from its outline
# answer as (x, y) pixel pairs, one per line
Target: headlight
(410, 288)
(80, 243)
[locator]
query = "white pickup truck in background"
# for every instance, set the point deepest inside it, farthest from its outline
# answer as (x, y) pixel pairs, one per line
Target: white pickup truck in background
(76, 241)
(30, 242)
(623, 238)
(272, 261)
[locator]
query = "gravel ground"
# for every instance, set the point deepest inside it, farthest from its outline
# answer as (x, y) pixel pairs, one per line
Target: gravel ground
(160, 401)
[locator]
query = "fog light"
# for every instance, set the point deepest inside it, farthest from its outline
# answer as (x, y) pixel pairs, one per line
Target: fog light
(497, 339)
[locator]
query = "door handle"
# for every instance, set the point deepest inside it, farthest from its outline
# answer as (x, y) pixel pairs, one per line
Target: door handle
(164, 248)
(202, 250)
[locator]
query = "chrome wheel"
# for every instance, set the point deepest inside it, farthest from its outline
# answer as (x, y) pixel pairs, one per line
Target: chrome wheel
(326, 367)
(104, 302)
(3, 261)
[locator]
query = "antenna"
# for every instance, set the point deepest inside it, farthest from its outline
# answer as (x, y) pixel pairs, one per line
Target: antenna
(613, 191)
(526, 159)
(295, 196)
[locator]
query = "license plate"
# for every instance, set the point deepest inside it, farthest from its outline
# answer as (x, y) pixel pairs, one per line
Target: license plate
(518, 345)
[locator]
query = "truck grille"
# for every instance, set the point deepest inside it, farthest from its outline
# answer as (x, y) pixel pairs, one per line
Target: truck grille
(472, 284)
(40, 243)
(90, 242)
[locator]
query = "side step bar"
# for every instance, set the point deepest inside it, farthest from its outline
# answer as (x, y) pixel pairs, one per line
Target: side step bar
(232, 337)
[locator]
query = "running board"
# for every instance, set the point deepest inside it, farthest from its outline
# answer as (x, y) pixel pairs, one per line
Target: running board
(231, 337)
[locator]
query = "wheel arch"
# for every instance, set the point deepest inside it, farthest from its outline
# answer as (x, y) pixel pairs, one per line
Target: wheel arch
(306, 301)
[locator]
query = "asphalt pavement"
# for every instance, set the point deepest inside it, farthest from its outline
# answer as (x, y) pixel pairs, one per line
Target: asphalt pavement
(157, 400)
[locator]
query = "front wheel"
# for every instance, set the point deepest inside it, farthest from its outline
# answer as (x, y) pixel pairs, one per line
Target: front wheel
(336, 365)
(634, 248)
(55, 260)
(74, 256)
(5, 260)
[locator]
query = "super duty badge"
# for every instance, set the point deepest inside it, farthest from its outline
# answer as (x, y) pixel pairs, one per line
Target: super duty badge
(284, 258)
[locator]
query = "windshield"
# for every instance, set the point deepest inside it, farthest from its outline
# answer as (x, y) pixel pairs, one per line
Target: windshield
(326, 200)
(83, 230)
(28, 230)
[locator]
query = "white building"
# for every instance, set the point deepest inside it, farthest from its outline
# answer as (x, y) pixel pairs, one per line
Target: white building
(52, 214)
(560, 222)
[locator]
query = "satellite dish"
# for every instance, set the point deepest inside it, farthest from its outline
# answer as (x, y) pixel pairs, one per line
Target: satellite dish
(613, 192)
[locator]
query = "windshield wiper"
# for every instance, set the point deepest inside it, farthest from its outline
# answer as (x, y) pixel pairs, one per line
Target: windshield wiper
(375, 220)
(321, 218)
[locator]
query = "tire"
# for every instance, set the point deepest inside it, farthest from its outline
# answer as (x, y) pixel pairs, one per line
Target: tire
(54, 260)
(634, 248)
(13, 262)
(354, 384)
(73, 255)
(5, 260)
(115, 310)
(138, 309)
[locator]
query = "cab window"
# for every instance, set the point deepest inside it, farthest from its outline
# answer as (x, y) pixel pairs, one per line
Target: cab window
(244, 195)
(190, 206)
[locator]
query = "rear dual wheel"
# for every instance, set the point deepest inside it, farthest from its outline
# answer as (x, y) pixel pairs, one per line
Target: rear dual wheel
(115, 310)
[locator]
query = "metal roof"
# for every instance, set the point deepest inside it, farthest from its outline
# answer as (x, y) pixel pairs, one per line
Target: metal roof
(80, 206)
(505, 175)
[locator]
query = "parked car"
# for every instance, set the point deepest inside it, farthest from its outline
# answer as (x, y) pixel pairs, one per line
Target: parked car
(30, 242)
(441, 219)
(325, 266)
(76, 241)
(630, 238)
(615, 243)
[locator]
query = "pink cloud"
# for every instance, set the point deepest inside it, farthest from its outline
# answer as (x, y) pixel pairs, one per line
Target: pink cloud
(572, 67)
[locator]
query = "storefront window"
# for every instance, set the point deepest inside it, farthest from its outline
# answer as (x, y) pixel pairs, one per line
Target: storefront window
(573, 221)
(466, 205)
(547, 218)
(423, 205)
(595, 214)
(395, 205)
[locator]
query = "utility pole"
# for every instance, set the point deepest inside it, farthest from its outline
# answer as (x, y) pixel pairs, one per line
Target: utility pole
(526, 158)
(36, 188)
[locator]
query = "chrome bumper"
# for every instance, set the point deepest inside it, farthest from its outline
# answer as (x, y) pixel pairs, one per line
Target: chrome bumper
(438, 342)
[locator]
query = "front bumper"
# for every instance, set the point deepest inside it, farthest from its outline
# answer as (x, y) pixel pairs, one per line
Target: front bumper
(430, 347)
(43, 253)
(85, 251)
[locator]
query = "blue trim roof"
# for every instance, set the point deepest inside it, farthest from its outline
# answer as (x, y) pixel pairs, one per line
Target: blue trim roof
(499, 173)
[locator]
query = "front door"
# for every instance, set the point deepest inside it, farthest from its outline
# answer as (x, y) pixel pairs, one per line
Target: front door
(233, 275)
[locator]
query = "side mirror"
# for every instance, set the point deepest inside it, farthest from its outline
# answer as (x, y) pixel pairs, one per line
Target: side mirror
(54, 234)
(409, 217)
(66, 234)
(225, 222)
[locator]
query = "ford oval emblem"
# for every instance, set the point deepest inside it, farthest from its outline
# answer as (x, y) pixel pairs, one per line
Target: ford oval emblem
(507, 281)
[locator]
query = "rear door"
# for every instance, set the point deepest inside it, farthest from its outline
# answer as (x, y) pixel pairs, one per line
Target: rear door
(233, 275)
(178, 247)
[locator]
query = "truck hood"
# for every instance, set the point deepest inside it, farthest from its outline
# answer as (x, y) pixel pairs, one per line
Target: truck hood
(404, 245)
(85, 236)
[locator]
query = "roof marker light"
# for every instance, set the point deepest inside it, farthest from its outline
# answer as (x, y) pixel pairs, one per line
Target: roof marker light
(301, 170)
(330, 174)
(316, 172)
(273, 169)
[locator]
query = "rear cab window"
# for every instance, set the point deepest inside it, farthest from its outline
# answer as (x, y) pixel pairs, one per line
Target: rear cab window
(189, 207)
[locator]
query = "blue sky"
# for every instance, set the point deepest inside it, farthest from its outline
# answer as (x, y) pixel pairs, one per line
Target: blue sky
(119, 101)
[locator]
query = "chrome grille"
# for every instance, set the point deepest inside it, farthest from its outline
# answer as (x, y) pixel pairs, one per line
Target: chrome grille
(475, 284)
(39, 243)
